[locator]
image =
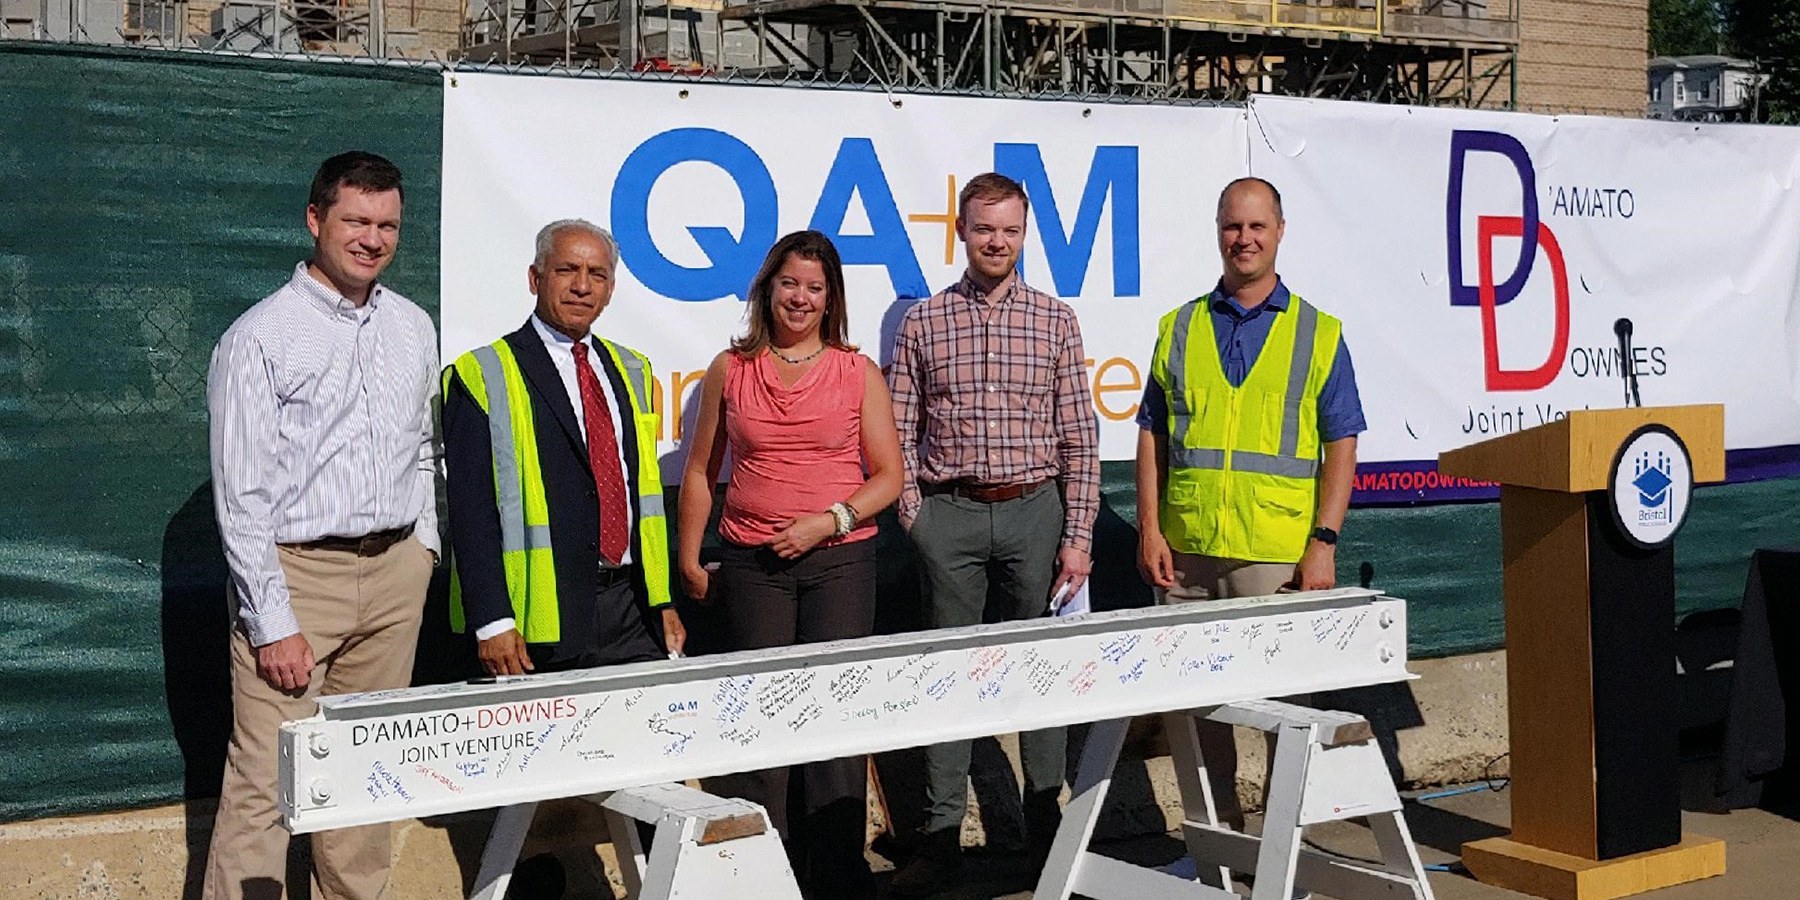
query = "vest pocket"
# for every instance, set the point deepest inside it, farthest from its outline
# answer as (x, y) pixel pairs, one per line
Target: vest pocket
(1280, 522)
(1181, 492)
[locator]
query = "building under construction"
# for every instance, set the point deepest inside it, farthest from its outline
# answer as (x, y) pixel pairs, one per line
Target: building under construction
(1550, 55)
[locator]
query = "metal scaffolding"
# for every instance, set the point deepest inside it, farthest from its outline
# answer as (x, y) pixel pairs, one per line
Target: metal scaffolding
(658, 35)
(1428, 52)
(1401, 51)
(341, 27)
(1433, 52)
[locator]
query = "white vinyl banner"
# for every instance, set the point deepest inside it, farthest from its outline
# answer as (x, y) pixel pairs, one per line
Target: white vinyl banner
(697, 181)
(1407, 224)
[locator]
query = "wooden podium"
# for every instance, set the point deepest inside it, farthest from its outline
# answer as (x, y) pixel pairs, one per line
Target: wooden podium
(1590, 652)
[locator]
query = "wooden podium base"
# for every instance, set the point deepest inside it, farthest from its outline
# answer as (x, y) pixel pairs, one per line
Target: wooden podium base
(1558, 876)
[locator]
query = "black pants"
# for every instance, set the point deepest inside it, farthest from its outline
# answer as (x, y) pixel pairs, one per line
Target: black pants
(611, 632)
(826, 595)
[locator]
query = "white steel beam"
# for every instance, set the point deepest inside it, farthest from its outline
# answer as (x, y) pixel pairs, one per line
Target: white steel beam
(436, 749)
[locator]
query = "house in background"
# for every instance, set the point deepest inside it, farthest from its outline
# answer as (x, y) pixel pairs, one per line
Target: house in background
(1704, 88)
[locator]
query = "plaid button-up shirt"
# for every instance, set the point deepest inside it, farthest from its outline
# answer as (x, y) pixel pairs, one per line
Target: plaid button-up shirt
(993, 391)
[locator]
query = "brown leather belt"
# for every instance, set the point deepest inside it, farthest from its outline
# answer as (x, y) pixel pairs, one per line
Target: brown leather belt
(374, 543)
(982, 493)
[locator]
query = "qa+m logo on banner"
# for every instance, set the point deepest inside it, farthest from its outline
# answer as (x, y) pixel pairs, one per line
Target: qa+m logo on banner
(857, 171)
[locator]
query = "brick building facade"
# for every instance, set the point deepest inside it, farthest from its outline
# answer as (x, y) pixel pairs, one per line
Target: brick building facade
(1583, 55)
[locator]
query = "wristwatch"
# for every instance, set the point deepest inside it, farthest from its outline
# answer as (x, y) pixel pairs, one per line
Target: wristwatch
(1325, 535)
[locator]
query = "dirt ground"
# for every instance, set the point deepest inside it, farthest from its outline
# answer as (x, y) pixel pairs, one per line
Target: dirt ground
(1760, 846)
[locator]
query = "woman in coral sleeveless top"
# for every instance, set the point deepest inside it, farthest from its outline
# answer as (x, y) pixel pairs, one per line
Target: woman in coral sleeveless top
(805, 416)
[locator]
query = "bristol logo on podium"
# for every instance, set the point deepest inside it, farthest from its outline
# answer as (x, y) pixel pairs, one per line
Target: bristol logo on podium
(1486, 292)
(1652, 478)
(1652, 483)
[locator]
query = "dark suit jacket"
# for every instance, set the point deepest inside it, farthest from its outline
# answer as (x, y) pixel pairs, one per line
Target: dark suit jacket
(569, 488)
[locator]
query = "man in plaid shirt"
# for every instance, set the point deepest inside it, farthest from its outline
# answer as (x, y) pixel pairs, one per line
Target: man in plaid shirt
(1002, 481)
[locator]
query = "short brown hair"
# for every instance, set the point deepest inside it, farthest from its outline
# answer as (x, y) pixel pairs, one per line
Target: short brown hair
(359, 169)
(990, 187)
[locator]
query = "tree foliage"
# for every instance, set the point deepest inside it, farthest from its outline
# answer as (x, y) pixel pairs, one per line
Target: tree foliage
(1684, 27)
(1768, 32)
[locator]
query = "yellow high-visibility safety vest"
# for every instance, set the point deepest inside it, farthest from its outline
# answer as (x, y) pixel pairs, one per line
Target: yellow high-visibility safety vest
(519, 486)
(1243, 461)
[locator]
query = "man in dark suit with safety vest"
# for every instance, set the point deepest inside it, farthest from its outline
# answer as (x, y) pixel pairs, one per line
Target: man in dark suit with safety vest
(558, 536)
(1247, 447)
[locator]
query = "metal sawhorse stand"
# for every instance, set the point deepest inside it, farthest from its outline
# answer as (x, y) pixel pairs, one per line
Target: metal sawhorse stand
(705, 846)
(1327, 767)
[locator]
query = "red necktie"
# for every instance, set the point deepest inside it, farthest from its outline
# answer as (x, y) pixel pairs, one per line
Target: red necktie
(603, 458)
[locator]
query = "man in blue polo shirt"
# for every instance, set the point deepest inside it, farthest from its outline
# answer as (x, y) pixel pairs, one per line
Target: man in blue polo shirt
(1247, 445)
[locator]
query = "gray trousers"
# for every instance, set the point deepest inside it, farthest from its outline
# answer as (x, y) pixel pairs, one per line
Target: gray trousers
(965, 547)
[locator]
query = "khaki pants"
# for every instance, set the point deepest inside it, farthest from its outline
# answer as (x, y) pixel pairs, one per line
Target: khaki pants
(1211, 578)
(1201, 578)
(361, 616)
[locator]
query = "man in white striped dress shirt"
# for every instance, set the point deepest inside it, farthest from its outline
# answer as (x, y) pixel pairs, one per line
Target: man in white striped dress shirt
(323, 471)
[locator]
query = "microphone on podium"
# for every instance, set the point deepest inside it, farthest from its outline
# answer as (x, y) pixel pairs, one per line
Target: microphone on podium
(1627, 369)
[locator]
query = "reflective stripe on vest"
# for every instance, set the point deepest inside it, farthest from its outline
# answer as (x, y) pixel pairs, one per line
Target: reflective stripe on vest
(515, 532)
(493, 378)
(652, 526)
(1238, 487)
(520, 495)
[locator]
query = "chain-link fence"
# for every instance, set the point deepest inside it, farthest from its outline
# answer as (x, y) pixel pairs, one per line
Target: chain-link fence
(1164, 51)
(434, 65)
(1337, 49)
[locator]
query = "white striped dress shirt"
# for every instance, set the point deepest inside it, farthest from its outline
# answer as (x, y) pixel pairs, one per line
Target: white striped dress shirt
(322, 426)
